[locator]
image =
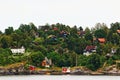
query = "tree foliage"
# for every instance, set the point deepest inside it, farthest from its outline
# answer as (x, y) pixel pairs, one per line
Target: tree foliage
(93, 62)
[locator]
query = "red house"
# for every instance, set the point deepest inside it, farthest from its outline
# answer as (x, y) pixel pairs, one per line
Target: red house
(32, 68)
(65, 69)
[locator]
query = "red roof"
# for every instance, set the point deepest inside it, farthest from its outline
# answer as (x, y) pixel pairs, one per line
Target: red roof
(32, 68)
(64, 69)
(101, 40)
(55, 28)
(88, 48)
(118, 31)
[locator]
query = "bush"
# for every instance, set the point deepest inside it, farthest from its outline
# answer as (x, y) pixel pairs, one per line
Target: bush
(82, 60)
(36, 58)
(110, 61)
(93, 62)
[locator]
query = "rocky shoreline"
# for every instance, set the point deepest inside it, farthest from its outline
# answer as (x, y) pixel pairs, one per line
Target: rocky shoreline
(19, 69)
(27, 72)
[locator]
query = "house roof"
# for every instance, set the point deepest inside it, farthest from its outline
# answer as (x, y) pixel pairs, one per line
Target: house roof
(55, 28)
(81, 32)
(118, 30)
(101, 40)
(91, 47)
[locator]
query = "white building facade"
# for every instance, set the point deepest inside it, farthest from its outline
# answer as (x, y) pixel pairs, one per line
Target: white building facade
(18, 50)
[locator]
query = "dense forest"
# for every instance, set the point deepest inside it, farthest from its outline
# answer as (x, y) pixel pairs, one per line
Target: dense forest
(63, 44)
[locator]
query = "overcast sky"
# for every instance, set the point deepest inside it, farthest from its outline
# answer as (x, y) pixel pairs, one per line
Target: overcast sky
(85, 13)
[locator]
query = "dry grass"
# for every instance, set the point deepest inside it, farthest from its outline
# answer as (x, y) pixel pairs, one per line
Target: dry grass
(15, 65)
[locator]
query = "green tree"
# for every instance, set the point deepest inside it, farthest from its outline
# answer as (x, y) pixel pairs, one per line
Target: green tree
(4, 55)
(55, 57)
(80, 28)
(0, 32)
(87, 30)
(93, 62)
(73, 32)
(33, 27)
(110, 61)
(39, 40)
(36, 58)
(16, 38)
(9, 30)
(6, 41)
(118, 51)
(114, 27)
(100, 33)
(82, 60)
(109, 36)
(67, 60)
(46, 27)
(88, 36)
(115, 38)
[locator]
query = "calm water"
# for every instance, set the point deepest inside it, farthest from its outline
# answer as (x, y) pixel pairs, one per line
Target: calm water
(61, 77)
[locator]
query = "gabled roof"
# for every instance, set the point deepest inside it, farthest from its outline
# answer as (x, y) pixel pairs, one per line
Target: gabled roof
(101, 40)
(55, 28)
(89, 48)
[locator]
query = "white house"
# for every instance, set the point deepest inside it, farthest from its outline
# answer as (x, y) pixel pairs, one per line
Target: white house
(18, 50)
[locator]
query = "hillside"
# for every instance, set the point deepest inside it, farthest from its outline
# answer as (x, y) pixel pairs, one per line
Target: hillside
(61, 45)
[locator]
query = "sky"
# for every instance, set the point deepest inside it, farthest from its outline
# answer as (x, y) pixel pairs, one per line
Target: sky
(85, 13)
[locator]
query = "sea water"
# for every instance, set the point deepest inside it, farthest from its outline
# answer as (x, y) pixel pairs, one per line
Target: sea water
(58, 77)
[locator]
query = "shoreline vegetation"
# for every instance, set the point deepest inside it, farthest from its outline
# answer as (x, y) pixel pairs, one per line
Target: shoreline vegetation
(60, 49)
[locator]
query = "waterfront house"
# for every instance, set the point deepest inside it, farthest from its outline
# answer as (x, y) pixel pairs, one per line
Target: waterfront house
(18, 50)
(31, 68)
(65, 69)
